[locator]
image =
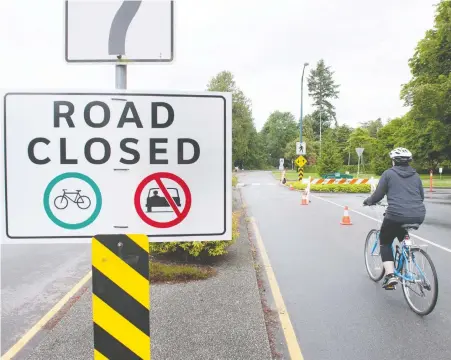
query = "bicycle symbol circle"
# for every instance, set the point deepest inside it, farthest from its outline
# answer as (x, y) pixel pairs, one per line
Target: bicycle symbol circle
(61, 202)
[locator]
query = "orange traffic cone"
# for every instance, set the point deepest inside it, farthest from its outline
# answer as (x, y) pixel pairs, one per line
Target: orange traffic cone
(291, 187)
(346, 219)
(304, 199)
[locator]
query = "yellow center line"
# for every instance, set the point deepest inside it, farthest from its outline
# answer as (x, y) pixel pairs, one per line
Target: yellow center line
(18, 346)
(288, 330)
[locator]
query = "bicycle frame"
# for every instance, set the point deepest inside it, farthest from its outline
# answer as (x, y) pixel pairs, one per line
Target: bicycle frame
(76, 193)
(405, 249)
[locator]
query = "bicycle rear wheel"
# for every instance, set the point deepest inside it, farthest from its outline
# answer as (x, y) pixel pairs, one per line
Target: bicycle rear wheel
(424, 284)
(373, 261)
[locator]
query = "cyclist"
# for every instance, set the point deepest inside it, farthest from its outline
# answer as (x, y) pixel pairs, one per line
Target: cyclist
(405, 195)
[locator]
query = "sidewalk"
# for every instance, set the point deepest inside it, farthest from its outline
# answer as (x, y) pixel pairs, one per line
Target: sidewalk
(216, 319)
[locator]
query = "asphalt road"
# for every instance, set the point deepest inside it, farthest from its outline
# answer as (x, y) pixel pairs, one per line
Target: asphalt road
(337, 311)
(33, 279)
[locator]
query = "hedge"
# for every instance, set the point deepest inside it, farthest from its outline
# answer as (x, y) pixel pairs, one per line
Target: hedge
(200, 248)
(343, 188)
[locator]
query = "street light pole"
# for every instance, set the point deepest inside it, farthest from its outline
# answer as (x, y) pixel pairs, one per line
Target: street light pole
(302, 101)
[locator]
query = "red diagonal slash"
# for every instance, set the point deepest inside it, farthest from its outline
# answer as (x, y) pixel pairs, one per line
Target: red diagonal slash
(168, 196)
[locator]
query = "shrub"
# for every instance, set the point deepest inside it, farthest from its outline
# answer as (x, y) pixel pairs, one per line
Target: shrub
(311, 169)
(200, 248)
(234, 180)
(343, 188)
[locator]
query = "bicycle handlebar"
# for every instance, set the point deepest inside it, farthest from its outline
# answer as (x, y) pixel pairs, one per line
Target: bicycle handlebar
(378, 203)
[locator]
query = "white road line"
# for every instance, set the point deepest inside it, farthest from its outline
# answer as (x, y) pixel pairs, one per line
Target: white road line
(255, 184)
(369, 217)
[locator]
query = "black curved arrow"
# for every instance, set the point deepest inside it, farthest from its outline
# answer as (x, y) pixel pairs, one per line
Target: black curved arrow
(120, 25)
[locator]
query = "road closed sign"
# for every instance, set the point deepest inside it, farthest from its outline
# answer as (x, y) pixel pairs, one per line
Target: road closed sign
(82, 164)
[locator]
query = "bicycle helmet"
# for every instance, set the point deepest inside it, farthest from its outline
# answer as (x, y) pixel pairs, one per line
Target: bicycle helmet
(400, 155)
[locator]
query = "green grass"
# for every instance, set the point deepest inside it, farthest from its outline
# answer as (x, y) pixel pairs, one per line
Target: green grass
(167, 272)
(436, 182)
(443, 183)
(292, 175)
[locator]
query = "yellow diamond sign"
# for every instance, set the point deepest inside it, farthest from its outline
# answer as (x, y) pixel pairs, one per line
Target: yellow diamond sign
(300, 161)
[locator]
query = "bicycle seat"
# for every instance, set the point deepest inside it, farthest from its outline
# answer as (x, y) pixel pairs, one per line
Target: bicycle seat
(78, 190)
(411, 226)
(64, 189)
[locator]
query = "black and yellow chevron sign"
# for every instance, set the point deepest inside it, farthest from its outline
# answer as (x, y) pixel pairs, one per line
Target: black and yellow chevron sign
(121, 297)
(300, 173)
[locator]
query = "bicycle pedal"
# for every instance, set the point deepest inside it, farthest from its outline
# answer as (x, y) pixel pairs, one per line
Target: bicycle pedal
(393, 287)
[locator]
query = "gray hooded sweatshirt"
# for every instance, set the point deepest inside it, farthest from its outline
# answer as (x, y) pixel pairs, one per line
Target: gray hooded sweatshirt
(404, 190)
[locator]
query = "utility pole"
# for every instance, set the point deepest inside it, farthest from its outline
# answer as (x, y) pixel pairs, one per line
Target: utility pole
(302, 101)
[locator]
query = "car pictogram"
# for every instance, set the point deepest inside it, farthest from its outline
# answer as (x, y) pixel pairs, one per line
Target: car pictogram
(154, 200)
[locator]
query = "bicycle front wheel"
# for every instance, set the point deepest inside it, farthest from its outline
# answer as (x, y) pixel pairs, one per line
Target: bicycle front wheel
(83, 202)
(420, 269)
(373, 261)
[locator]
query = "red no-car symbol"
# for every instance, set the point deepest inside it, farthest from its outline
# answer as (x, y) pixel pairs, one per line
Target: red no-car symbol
(169, 201)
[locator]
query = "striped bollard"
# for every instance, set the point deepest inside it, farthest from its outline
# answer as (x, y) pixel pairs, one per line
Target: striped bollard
(121, 297)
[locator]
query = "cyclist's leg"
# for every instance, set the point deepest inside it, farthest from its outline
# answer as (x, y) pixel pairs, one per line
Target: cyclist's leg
(389, 230)
(401, 233)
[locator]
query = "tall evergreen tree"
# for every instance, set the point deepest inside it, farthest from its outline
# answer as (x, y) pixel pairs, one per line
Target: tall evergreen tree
(322, 89)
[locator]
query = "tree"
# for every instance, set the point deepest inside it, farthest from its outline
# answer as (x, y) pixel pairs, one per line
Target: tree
(380, 160)
(373, 126)
(322, 89)
(278, 131)
(342, 134)
(330, 159)
(360, 138)
(244, 134)
(428, 93)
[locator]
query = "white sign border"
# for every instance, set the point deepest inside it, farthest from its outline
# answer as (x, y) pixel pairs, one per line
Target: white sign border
(125, 60)
(227, 178)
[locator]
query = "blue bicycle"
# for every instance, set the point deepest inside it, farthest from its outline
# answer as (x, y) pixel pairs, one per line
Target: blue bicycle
(411, 275)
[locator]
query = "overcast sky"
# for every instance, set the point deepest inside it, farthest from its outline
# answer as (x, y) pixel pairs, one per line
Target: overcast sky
(264, 43)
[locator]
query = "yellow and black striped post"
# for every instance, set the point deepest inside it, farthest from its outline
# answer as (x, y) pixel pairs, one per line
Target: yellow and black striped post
(121, 297)
(300, 173)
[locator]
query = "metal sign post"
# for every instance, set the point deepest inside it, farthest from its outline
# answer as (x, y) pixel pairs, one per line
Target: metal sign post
(121, 76)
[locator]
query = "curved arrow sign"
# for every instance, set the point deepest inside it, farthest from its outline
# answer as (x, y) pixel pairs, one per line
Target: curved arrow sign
(120, 25)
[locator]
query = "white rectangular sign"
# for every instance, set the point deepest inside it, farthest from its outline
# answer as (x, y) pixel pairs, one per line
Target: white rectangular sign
(81, 164)
(135, 30)
(301, 148)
